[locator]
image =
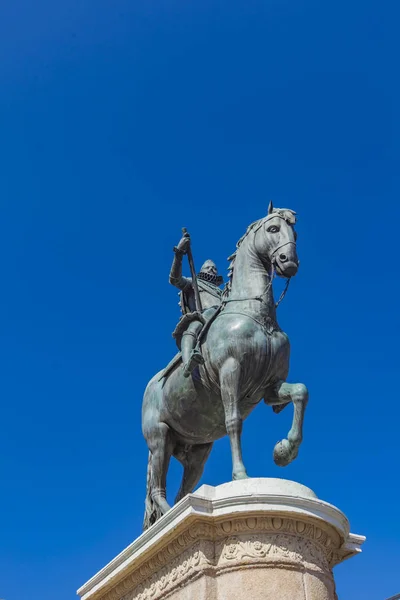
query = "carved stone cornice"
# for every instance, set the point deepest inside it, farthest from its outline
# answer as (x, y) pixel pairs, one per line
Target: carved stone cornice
(220, 534)
(228, 544)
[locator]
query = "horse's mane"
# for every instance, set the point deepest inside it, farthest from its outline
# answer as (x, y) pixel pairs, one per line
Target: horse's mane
(289, 216)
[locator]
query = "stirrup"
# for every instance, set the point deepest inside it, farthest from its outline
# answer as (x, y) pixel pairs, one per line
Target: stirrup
(194, 361)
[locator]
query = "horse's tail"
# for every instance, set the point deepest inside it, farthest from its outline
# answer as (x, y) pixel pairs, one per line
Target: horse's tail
(152, 512)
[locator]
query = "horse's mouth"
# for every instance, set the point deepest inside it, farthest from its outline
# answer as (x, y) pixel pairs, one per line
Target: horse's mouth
(288, 269)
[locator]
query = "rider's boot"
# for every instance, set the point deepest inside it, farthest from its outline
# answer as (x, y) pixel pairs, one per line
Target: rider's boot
(191, 356)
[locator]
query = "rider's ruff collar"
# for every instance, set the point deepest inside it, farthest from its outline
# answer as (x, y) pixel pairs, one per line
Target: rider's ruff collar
(215, 279)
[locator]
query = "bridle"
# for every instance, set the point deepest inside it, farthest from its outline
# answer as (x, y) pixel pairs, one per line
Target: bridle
(273, 262)
(279, 247)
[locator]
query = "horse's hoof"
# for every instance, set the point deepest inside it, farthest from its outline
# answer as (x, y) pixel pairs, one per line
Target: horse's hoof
(239, 475)
(284, 453)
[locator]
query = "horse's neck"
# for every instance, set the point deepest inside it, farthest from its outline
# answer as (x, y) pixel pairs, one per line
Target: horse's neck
(251, 281)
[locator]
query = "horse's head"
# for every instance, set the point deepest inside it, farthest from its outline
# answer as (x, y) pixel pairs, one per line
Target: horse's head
(276, 241)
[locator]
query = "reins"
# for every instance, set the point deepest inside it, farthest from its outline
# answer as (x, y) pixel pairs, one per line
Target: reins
(283, 294)
(261, 296)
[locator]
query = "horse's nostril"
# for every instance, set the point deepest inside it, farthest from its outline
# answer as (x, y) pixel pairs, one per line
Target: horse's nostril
(283, 257)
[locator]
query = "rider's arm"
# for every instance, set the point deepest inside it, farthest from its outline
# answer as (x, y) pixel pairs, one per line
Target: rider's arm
(175, 277)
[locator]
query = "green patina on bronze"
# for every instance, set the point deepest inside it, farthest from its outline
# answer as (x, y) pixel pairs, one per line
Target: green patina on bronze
(233, 355)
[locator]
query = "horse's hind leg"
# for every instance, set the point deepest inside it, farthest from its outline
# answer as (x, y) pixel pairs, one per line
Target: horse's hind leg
(287, 449)
(193, 460)
(160, 443)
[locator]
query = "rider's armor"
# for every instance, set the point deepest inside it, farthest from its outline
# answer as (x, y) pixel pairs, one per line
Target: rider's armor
(191, 323)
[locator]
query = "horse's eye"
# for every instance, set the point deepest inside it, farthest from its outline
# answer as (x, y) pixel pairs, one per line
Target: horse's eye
(273, 229)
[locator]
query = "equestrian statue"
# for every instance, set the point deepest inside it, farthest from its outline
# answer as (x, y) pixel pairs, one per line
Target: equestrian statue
(232, 355)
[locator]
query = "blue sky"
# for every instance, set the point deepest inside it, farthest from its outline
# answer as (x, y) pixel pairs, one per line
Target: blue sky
(122, 122)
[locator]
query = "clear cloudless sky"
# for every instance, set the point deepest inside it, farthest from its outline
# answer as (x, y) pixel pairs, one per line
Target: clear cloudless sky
(123, 121)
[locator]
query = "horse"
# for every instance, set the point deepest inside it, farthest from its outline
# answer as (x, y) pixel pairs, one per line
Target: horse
(246, 359)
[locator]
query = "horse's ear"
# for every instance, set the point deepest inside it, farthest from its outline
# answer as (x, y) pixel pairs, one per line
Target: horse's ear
(270, 208)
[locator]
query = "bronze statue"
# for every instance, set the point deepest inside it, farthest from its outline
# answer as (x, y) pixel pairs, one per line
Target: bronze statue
(244, 358)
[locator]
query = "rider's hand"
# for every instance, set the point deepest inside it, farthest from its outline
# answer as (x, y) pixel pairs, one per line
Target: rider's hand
(184, 244)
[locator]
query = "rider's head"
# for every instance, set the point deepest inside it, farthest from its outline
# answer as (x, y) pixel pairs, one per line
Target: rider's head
(209, 272)
(209, 267)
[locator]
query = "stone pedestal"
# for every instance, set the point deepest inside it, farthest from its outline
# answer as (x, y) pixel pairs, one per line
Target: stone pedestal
(255, 539)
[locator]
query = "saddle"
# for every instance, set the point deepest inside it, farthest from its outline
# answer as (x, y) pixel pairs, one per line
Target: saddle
(180, 329)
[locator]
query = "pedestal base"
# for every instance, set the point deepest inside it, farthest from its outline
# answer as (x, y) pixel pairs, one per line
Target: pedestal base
(255, 539)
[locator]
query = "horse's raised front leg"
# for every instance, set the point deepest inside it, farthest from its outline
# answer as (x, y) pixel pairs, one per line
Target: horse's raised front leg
(229, 377)
(287, 449)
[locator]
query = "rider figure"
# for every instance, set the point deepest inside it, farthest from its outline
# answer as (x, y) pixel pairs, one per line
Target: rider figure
(191, 323)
